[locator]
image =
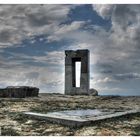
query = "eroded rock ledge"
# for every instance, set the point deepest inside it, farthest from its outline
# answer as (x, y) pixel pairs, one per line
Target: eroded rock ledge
(19, 92)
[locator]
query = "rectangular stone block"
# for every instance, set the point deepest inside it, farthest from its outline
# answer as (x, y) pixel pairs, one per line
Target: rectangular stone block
(78, 118)
(71, 57)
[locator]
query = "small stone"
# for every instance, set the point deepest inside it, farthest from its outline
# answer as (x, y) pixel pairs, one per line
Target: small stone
(93, 92)
(29, 122)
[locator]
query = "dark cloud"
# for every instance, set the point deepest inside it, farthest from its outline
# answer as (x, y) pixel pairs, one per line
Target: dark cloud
(127, 76)
(37, 20)
(32, 75)
(106, 71)
(123, 16)
(19, 22)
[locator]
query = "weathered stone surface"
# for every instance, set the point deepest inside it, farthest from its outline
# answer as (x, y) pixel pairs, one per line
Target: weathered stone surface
(71, 57)
(19, 92)
(93, 92)
(80, 119)
(3, 93)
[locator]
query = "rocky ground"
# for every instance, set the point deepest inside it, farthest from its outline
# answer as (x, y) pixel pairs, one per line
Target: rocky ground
(13, 122)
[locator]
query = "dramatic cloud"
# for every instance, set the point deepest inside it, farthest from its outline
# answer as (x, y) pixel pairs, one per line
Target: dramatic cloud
(120, 51)
(19, 22)
(33, 39)
(33, 76)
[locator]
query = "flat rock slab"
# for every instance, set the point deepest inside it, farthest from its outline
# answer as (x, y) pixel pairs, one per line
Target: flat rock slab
(76, 118)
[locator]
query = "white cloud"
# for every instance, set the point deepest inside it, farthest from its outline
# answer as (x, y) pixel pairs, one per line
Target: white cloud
(54, 57)
(110, 90)
(65, 31)
(102, 80)
(51, 58)
(104, 11)
(47, 79)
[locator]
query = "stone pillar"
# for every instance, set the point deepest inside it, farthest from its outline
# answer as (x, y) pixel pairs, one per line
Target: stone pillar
(71, 57)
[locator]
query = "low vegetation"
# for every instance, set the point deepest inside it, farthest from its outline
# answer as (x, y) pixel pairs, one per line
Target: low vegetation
(13, 122)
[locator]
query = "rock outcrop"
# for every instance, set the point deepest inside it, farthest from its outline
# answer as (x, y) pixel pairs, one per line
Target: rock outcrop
(93, 92)
(19, 92)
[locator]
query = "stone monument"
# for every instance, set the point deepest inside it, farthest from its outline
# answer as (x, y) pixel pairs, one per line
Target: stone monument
(71, 57)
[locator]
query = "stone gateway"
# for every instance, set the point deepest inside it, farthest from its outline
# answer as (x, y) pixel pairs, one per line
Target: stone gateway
(71, 57)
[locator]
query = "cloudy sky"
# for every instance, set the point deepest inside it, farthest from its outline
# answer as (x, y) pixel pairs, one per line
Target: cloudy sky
(33, 39)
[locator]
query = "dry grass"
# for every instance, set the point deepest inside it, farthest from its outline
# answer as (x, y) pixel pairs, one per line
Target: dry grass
(13, 122)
